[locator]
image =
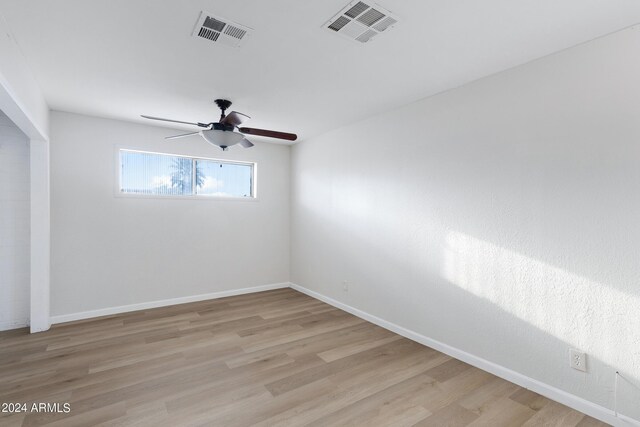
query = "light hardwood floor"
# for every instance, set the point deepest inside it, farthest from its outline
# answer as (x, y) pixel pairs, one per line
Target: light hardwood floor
(271, 358)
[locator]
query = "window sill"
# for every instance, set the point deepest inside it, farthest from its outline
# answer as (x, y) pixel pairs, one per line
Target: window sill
(205, 198)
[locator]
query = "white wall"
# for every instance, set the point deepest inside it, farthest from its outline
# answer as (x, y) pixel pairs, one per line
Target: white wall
(14, 226)
(110, 251)
(20, 95)
(501, 218)
(21, 99)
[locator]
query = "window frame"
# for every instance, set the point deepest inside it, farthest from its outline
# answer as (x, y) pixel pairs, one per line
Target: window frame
(195, 196)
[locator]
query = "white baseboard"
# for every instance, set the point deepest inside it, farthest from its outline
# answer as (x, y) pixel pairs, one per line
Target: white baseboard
(14, 324)
(162, 303)
(553, 393)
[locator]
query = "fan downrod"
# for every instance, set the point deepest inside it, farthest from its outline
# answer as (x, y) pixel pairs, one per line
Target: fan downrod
(224, 105)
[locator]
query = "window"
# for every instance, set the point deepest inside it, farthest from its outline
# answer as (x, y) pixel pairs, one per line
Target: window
(146, 173)
(217, 178)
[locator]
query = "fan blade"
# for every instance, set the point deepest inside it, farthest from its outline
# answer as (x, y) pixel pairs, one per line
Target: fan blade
(246, 143)
(202, 125)
(269, 133)
(181, 135)
(234, 118)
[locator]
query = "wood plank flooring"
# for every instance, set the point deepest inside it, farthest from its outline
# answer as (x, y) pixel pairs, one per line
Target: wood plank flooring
(265, 359)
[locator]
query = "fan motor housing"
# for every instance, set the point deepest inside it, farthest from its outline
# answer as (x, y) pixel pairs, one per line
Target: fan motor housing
(222, 126)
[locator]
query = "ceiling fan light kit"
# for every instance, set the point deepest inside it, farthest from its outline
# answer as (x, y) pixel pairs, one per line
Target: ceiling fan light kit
(226, 132)
(221, 138)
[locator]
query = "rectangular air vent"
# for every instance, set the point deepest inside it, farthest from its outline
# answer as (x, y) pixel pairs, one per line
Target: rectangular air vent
(361, 21)
(219, 30)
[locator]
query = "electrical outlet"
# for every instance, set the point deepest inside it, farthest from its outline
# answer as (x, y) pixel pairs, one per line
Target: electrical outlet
(345, 286)
(577, 360)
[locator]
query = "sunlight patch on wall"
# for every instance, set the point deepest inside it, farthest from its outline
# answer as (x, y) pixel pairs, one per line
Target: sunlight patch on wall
(594, 317)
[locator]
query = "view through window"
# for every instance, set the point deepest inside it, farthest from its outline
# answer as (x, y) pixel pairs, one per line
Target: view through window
(148, 173)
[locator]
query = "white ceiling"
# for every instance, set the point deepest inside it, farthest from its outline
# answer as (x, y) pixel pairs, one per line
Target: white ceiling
(123, 58)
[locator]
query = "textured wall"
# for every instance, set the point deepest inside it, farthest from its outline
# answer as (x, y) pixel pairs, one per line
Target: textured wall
(500, 218)
(108, 251)
(14, 226)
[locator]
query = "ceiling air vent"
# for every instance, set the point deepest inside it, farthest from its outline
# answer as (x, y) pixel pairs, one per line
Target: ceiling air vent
(219, 30)
(361, 21)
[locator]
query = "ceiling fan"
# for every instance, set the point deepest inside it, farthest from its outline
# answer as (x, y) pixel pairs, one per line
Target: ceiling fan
(226, 132)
